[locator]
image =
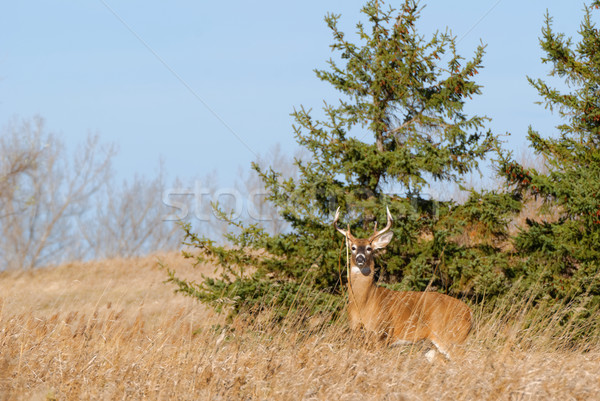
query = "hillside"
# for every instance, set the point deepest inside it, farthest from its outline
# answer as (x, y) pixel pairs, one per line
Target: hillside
(113, 330)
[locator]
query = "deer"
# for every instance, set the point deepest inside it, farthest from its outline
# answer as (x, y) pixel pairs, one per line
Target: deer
(400, 317)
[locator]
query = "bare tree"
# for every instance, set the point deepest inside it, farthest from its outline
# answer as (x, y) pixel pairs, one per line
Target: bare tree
(259, 209)
(56, 207)
(40, 199)
(193, 203)
(245, 201)
(128, 220)
(17, 156)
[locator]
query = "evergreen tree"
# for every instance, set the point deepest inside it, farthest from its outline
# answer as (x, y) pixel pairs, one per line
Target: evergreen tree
(563, 254)
(399, 125)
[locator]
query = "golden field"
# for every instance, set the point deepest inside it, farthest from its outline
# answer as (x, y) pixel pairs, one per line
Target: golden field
(112, 330)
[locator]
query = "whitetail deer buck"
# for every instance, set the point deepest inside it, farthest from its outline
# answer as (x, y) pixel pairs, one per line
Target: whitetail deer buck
(400, 317)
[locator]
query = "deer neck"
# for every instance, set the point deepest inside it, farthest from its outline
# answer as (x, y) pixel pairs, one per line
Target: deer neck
(362, 284)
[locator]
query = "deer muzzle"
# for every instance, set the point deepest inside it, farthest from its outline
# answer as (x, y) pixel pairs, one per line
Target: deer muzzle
(360, 260)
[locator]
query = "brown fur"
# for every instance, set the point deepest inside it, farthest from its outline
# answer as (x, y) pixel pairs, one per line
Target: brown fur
(406, 316)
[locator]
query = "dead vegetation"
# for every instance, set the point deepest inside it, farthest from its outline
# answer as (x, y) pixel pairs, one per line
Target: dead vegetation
(113, 330)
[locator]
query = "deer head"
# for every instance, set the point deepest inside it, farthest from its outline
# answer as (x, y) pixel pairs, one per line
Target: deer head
(363, 249)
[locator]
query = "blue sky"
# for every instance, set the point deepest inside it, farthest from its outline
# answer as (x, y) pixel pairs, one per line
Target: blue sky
(209, 85)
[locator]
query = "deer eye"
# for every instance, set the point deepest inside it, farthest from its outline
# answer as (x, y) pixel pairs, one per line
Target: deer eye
(369, 249)
(353, 248)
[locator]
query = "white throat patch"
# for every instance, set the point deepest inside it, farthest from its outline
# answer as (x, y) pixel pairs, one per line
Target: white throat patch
(365, 271)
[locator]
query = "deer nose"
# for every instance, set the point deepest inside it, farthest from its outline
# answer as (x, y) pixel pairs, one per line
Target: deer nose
(360, 259)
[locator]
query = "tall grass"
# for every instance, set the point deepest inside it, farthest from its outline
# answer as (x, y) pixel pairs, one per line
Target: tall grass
(112, 330)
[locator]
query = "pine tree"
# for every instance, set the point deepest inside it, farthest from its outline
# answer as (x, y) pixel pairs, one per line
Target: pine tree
(398, 126)
(564, 254)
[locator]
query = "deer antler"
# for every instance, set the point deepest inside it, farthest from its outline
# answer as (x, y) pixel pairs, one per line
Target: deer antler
(386, 228)
(345, 233)
(335, 220)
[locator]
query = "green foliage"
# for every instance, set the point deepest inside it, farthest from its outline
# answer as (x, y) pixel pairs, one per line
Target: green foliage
(398, 126)
(562, 254)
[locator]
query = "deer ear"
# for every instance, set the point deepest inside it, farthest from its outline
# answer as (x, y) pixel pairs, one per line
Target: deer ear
(383, 240)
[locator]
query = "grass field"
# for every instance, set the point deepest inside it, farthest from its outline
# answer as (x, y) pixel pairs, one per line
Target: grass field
(113, 330)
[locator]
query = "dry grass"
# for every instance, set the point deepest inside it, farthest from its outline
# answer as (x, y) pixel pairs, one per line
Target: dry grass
(113, 330)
